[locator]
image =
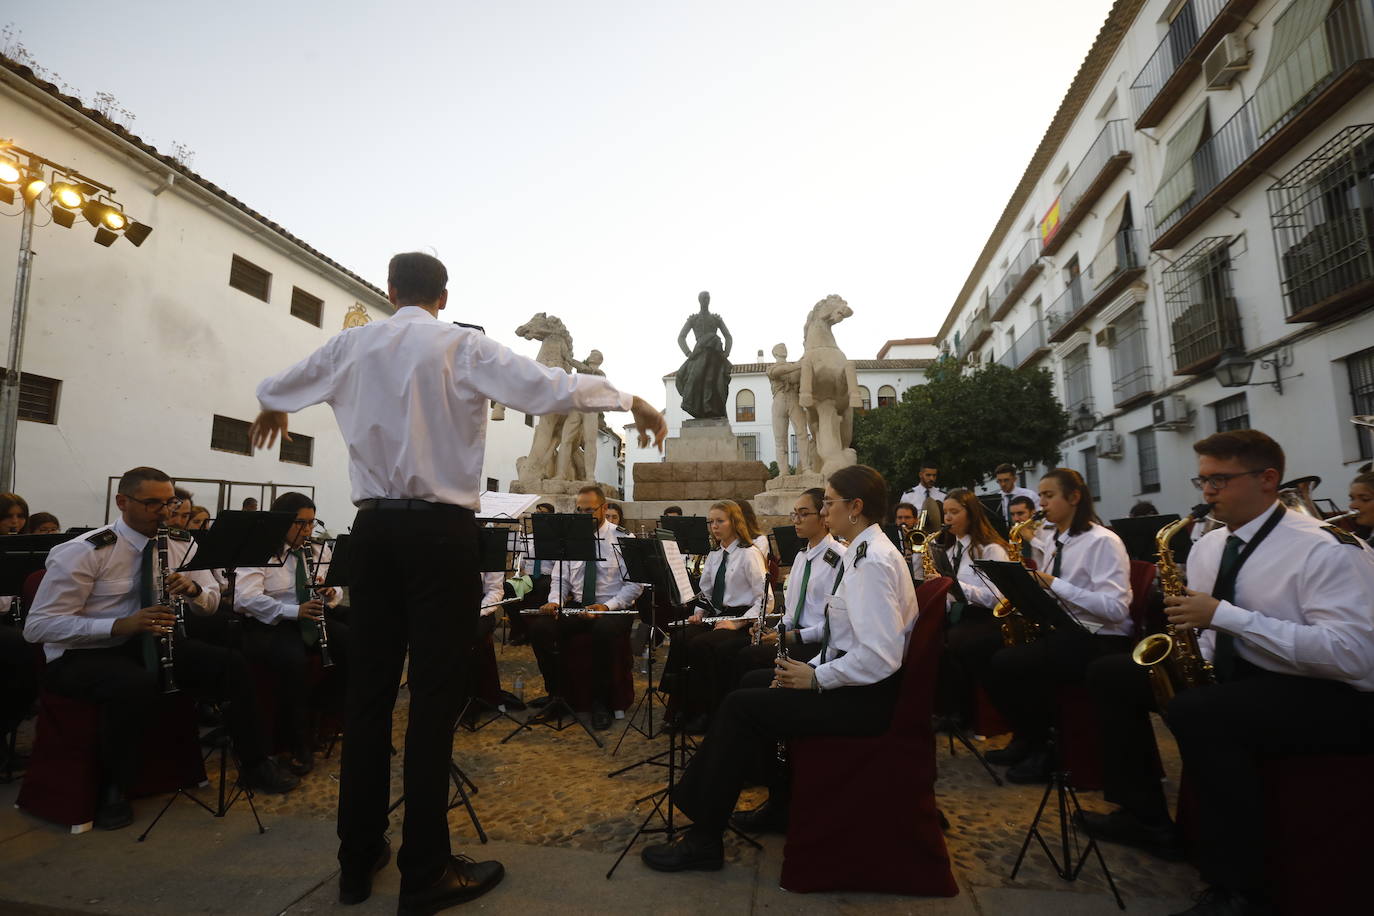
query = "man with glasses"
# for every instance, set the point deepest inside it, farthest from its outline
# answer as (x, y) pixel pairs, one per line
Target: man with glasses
(284, 621)
(596, 586)
(1282, 601)
(96, 616)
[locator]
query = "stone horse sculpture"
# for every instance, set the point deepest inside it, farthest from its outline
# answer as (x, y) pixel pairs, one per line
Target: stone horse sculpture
(829, 387)
(555, 351)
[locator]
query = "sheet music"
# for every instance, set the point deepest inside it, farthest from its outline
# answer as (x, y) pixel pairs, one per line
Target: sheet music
(677, 564)
(511, 505)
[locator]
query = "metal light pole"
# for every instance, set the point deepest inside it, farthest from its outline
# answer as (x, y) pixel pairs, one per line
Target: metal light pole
(9, 390)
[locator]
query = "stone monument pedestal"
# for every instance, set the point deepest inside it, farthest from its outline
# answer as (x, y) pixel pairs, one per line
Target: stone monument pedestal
(704, 440)
(682, 481)
(561, 493)
(781, 493)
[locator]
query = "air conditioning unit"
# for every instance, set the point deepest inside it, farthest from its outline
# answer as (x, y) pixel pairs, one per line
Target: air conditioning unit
(1106, 338)
(1171, 413)
(1226, 62)
(1110, 444)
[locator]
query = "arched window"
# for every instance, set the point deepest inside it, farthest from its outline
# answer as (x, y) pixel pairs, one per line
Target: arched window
(744, 406)
(865, 399)
(887, 395)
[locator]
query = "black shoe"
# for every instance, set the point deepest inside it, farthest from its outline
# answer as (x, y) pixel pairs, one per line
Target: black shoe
(540, 702)
(698, 725)
(763, 819)
(1218, 901)
(462, 880)
(691, 851)
(300, 763)
(1159, 840)
(268, 777)
(601, 717)
(1010, 755)
(356, 886)
(1035, 769)
(114, 811)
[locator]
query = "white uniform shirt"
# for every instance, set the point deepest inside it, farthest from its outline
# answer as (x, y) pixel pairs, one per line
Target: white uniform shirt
(1094, 579)
(493, 591)
(871, 615)
(1304, 601)
(977, 590)
(611, 588)
(744, 577)
(818, 588)
(268, 593)
(918, 495)
(88, 588)
(1005, 507)
(410, 396)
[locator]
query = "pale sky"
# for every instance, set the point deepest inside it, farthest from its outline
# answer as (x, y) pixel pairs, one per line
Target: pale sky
(606, 161)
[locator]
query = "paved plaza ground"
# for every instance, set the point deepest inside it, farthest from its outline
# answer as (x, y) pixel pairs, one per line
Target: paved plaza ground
(557, 822)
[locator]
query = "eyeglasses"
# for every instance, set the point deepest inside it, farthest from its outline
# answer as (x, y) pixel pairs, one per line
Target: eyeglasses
(1219, 481)
(827, 502)
(802, 515)
(157, 505)
(303, 523)
(583, 510)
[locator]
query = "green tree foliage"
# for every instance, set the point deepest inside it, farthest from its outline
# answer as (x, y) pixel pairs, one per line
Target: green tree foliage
(968, 422)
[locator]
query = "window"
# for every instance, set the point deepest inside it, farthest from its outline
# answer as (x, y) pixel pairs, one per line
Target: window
(749, 447)
(37, 397)
(1077, 384)
(865, 399)
(887, 396)
(493, 484)
(1180, 176)
(1148, 456)
(1130, 356)
(300, 450)
(744, 406)
(230, 435)
(250, 278)
(1090, 473)
(1203, 317)
(1231, 413)
(1361, 367)
(306, 307)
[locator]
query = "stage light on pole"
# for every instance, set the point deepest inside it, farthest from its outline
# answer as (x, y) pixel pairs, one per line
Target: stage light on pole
(105, 237)
(103, 213)
(9, 170)
(137, 232)
(68, 195)
(34, 184)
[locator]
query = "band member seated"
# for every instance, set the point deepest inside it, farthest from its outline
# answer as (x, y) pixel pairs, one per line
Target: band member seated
(814, 571)
(18, 683)
(597, 586)
(850, 688)
(43, 523)
(100, 628)
(198, 519)
(1021, 508)
(733, 585)
(1286, 598)
(537, 571)
(1085, 567)
(1362, 503)
(14, 513)
(283, 622)
(973, 635)
(1008, 489)
(615, 514)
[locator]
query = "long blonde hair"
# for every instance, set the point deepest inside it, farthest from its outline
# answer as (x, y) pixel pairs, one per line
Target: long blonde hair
(737, 520)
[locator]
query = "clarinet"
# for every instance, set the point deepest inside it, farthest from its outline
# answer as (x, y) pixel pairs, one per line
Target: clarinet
(763, 608)
(166, 641)
(781, 656)
(314, 572)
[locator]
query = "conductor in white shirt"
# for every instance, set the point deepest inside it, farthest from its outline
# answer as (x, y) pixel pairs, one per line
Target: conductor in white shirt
(411, 394)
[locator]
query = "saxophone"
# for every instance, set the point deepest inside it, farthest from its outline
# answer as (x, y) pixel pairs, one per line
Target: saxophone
(1173, 658)
(1016, 629)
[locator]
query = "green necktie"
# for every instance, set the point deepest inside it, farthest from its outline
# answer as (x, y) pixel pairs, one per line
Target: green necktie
(145, 599)
(956, 610)
(801, 598)
(1224, 589)
(310, 630)
(1058, 557)
(588, 582)
(718, 585)
(825, 640)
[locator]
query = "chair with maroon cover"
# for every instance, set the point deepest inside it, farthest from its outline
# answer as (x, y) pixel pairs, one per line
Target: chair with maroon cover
(863, 815)
(576, 658)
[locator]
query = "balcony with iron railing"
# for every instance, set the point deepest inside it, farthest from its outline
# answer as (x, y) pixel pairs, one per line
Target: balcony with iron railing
(1031, 345)
(1064, 308)
(1245, 147)
(1024, 268)
(1104, 160)
(1116, 266)
(1166, 76)
(979, 329)
(1008, 358)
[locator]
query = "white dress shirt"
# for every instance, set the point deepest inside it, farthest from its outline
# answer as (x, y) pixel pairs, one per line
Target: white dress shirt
(611, 588)
(744, 577)
(918, 495)
(493, 591)
(871, 615)
(818, 588)
(268, 593)
(1094, 579)
(1005, 507)
(977, 590)
(410, 396)
(1303, 600)
(87, 588)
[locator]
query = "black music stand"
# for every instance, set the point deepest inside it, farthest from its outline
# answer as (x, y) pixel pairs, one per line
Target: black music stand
(1138, 534)
(789, 544)
(690, 532)
(645, 564)
(562, 538)
(1025, 592)
(494, 547)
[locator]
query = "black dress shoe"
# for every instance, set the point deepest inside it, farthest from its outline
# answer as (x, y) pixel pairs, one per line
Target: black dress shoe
(1010, 755)
(1120, 826)
(1034, 770)
(1218, 901)
(462, 880)
(268, 777)
(114, 810)
(355, 885)
(695, 850)
(766, 818)
(601, 718)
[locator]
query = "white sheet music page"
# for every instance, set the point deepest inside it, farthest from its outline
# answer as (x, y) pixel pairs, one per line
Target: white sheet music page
(678, 564)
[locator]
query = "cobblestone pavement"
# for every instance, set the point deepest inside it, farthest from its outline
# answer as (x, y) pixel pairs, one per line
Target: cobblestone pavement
(551, 789)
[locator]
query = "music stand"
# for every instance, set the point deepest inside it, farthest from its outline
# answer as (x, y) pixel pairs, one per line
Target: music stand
(646, 564)
(690, 532)
(1025, 593)
(789, 544)
(1138, 534)
(562, 538)
(992, 506)
(894, 534)
(493, 555)
(21, 555)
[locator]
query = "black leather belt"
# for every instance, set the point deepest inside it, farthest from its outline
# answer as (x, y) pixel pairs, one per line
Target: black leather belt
(413, 505)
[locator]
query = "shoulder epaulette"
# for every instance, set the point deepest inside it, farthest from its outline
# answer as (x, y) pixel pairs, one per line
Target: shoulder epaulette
(103, 539)
(179, 534)
(861, 552)
(1340, 534)
(622, 529)
(830, 556)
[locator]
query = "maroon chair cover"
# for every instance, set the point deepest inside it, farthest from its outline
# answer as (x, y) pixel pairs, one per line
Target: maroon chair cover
(1142, 577)
(277, 731)
(576, 653)
(863, 814)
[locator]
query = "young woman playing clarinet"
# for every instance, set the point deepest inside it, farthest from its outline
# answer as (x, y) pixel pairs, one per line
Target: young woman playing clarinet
(1085, 568)
(850, 688)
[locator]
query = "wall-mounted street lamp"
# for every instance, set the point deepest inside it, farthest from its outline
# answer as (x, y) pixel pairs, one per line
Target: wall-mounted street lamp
(1235, 369)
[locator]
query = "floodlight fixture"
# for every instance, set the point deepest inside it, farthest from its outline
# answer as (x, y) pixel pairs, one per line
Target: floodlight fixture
(10, 173)
(137, 232)
(65, 194)
(105, 237)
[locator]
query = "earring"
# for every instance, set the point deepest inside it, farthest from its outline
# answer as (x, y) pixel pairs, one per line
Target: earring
(853, 520)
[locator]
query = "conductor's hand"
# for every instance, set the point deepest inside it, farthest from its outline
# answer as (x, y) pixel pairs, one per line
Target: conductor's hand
(788, 672)
(311, 610)
(266, 428)
(1193, 609)
(648, 422)
(549, 609)
(183, 585)
(157, 620)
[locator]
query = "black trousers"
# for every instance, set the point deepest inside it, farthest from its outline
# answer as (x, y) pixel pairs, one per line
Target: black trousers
(415, 587)
(710, 653)
(217, 629)
(280, 649)
(536, 597)
(486, 626)
(970, 646)
(763, 657)
(18, 678)
(116, 679)
(747, 727)
(1021, 680)
(547, 630)
(1121, 690)
(1225, 730)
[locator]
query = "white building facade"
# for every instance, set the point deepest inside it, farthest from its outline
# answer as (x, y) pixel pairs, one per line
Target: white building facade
(1202, 203)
